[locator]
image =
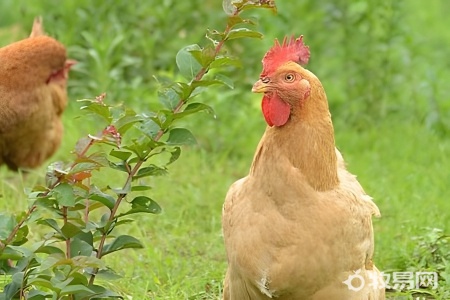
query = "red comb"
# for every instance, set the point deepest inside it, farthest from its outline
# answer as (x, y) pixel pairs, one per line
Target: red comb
(291, 50)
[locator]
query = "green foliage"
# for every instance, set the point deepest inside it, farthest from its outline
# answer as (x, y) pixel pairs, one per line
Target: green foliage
(431, 254)
(79, 215)
(400, 153)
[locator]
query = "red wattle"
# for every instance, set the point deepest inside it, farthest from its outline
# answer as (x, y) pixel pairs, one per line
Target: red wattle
(275, 111)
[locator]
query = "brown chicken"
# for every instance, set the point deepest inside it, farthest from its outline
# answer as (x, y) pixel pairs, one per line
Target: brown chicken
(33, 96)
(299, 225)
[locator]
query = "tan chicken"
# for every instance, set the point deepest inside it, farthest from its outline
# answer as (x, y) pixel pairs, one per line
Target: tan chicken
(299, 225)
(33, 78)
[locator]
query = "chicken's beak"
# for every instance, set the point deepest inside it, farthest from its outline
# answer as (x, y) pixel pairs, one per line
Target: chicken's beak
(259, 87)
(69, 63)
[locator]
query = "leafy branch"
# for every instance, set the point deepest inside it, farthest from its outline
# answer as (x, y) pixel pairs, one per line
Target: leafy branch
(81, 211)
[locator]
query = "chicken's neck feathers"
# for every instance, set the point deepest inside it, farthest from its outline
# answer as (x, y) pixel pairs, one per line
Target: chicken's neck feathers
(305, 143)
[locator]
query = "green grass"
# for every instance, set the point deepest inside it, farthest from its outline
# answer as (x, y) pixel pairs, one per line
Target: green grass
(400, 152)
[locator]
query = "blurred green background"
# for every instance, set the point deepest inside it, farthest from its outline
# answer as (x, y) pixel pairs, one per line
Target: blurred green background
(384, 64)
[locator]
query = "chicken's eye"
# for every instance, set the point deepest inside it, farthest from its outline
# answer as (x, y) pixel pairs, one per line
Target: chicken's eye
(289, 77)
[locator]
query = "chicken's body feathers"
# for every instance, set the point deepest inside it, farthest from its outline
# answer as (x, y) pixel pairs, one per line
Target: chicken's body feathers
(299, 225)
(287, 246)
(33, 74)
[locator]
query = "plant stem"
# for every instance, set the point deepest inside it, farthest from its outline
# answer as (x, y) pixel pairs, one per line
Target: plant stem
(158, 136)
(16, 228)
(113, 215)
(201, 73)
(64, 215)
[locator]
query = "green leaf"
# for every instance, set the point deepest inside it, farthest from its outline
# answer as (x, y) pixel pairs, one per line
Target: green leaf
(140, 188)
(218, 79)
(99, 109)
(125, 123)
(214, 36)
(169, 98)
(47, 249)
(151, 170)
(79, 246)
(204, 56)
(182, 89)
(21, 236)
(86, 261)
(186, 62)
(13, 288)
(141, 148)
(250, 4)
(120, 166)
(35, 294)
(84, 167)
(225, 80)
(202, 83)
(7, 224)
(18, 277)
(106, 199)
(99, 157)
(120, 154)
(143, 204)
(50, 223)
(103, 225)
(121, 190)
(42, 282)
(121, 242)
(146, 203)
(192, 108)
(64, 194)
(168, 118)
(49, 262)
(100, 292)
(236, 19)
(175, 154)
(150, 128)
(225, 61)
(69, 230)
(108, 275)
(197, 54)
(243, 33)
(79, 278)
(181, 136)
(228, 7)
(48, 203)
(123, 222)
(75, 289)
(11, 253)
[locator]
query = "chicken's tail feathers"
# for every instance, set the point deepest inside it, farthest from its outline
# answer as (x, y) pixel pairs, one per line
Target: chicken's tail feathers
(38, 28)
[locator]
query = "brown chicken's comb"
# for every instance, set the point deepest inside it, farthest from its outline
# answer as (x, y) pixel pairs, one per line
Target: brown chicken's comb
(291, 49)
